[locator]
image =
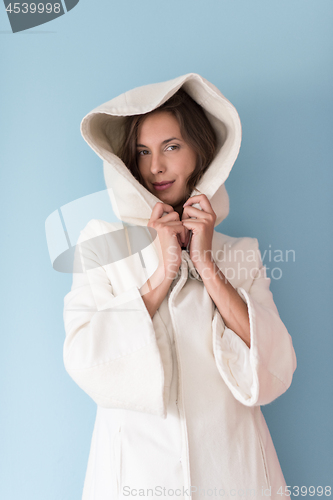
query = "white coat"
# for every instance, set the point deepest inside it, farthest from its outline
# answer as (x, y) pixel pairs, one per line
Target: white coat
(178, 396)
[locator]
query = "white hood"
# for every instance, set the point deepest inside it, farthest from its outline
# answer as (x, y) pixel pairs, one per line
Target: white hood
(102, 130)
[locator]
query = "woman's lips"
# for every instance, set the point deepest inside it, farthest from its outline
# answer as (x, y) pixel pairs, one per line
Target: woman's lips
(160, 187)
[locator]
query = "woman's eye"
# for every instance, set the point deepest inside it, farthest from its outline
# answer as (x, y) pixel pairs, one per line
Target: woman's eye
(143, 152)
(173, 147)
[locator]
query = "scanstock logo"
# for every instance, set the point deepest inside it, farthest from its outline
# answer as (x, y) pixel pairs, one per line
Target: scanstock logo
(25, 15)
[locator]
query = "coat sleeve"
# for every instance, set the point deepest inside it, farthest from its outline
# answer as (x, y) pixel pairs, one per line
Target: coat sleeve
(261, 373)
(110, 349)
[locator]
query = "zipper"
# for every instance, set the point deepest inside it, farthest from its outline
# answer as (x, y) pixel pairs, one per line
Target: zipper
(180, 400)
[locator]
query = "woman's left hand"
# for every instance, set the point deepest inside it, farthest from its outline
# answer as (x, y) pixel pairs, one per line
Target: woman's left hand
(202, 229)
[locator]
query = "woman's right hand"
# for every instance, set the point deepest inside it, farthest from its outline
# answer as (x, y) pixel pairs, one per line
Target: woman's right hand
(171, 233)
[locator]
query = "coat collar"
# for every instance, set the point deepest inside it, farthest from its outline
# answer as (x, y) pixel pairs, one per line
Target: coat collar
(103, 129)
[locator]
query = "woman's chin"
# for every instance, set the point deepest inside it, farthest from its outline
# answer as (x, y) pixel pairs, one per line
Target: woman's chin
(167, 198)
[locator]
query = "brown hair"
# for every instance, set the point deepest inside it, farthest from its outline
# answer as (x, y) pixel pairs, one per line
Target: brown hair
(195, 128)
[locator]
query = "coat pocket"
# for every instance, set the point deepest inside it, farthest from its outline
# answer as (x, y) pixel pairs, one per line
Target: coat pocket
(117, 460)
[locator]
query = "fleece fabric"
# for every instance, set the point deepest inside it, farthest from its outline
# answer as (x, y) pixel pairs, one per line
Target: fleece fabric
(178, 395)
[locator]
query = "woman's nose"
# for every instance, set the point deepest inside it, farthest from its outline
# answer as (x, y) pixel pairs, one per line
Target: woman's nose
(157, 164)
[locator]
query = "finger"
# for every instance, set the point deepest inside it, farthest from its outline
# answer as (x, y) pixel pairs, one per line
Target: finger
(202, 200)
(159, 209)
(192, 224)
(174, 223)
(186, 234)
(180, 230)
(170, 217)
(179, 240)
(195, 212)
(181, 233)
(176, 227)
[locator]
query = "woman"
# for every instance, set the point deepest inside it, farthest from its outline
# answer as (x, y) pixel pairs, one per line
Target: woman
(179, 342)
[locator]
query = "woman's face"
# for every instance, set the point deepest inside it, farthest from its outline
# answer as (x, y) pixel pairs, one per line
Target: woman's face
(164, 159)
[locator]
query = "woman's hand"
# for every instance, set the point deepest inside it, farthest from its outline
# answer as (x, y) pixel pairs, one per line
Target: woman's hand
(202, 229)
(227, 300)
(171, 233)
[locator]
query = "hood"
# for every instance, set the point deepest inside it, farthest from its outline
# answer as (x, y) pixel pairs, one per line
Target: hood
(102, 130)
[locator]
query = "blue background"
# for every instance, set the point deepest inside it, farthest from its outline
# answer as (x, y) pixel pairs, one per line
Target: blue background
(273, 60)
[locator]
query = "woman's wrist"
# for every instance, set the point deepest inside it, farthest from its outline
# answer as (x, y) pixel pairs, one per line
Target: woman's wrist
(231, 306)
(206, 267)
(155, 290)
